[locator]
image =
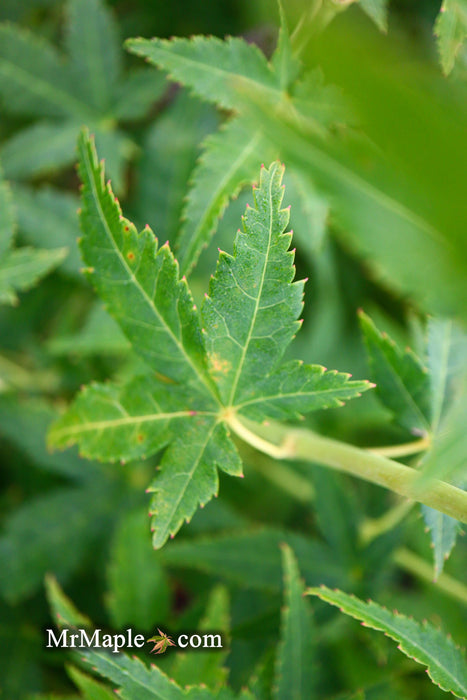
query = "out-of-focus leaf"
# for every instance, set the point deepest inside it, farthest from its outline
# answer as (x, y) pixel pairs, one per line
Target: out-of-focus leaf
(20, 269)
(430, 402)
(37, 538)
(295, 672)
(402, 383)
(116, 148)
(93, 46)
(25, 423)
(138, 591)
(443, 531)
(230, 160)
(91, 689)
(42, 148)
(378, 11)
(447, 363)
(208, 65)
(136, 92)
(309, 212)
(34, 80)
(451, 30)
(48, 218)
(168, 157)
(99, 335)
(252, 559)
(286, 65)
(425, 644)
(389, 201)
(209, 669)
(7, 217)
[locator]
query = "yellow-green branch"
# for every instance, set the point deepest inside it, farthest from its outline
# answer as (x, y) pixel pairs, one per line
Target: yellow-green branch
(283, 442)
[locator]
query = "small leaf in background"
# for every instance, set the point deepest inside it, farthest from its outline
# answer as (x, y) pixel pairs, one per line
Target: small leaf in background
(451, 30)
(40, 149)
(100, 334)
(378, 11)
(192, 669)
(426, 644)
(7, 217)
(91, 689)
(219, 175)
(295, 671)
(208, 65)
(443, 531)
(28, 551)
(20, 268)
(402, 383)
(138, 590)
(170, 151)
(47, 217)
(90, 87)
(428, 402)
(258, 553)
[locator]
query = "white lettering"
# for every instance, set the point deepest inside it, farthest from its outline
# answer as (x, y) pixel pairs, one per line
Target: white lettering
(214, 639)
(139, 641)
(73, 637)
(119, 642)
(53, 641)
(179, 641)
(92, 641)
(107, 641)
(193, 638)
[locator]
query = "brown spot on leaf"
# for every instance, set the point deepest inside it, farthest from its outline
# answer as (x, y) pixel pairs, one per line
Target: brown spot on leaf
(219, 365)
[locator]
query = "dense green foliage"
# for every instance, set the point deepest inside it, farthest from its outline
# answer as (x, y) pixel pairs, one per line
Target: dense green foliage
(125, 386)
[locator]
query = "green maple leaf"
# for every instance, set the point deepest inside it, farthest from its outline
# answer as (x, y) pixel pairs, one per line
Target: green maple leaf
(444, 661)
(214, 70)
(205, 370)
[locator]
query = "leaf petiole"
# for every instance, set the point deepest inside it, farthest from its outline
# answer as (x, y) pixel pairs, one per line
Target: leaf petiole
(304, 444)
(403, 450)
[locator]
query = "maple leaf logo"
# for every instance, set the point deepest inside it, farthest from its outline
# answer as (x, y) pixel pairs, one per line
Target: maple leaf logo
(161, 642)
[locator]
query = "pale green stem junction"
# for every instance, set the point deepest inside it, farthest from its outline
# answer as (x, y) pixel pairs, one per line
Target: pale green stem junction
(283, 442)
(372, 528)
(403, 450)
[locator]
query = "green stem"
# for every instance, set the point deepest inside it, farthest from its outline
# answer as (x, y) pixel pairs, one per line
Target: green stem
(403, 450)
(284, 442)
(289, 481)
(372, 528)
(417, 566)
(13, 376)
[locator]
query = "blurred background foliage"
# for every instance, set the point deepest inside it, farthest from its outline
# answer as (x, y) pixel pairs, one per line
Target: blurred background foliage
(85, 522)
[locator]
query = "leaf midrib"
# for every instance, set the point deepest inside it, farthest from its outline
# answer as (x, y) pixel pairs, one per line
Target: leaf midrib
(209, 69)
(409, 400)
(389, 628)
(127, 420)
(139, 682)
(189, 474)
(260, 291)
(200, 376)
(48, 91)
(293, 394)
